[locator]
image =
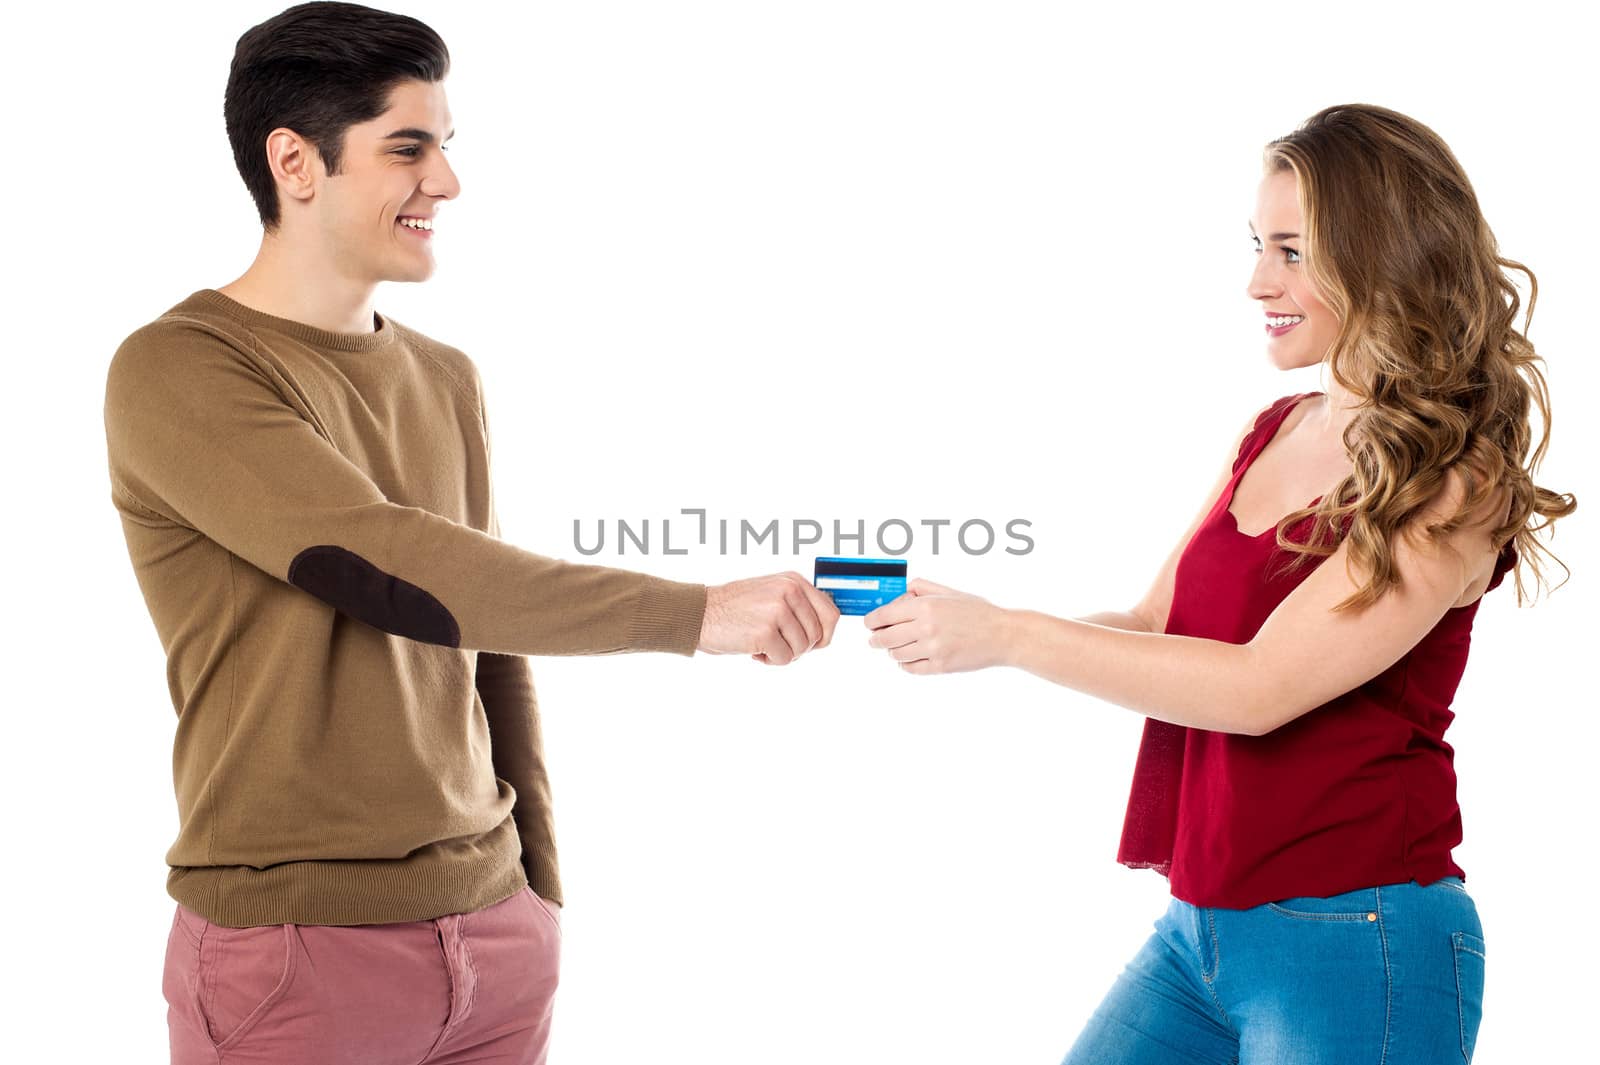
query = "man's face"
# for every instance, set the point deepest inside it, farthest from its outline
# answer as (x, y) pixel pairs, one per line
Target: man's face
(392, 168)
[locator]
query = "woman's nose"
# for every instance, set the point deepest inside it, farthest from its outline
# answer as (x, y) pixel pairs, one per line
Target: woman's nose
(1262, 284)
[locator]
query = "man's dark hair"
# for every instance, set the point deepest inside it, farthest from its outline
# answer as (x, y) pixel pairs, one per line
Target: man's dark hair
(319, 68)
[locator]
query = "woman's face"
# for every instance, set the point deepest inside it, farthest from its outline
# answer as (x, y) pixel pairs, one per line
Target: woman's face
(1280, 282)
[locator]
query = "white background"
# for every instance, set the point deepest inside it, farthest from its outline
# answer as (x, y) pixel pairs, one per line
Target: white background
(827, 260)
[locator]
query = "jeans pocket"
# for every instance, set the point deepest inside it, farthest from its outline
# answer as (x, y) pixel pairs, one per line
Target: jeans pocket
(1469, 988)
(242, 973)
(1358, 905)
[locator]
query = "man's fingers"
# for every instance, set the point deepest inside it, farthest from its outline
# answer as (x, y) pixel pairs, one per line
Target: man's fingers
(805, 613)
(775, 619)
(827, 610)
(793, 634)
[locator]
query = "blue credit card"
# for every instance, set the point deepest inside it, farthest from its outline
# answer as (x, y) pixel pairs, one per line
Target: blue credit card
(861, 585)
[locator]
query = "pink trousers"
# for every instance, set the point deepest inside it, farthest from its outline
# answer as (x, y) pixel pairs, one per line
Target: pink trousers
(466, 987)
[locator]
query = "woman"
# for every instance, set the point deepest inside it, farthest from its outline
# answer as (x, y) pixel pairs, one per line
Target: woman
(1292, 782)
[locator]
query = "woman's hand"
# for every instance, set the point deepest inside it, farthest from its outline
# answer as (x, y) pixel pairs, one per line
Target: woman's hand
(934, 629)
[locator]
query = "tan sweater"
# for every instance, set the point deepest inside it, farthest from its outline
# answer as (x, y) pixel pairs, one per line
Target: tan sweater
(310, 518)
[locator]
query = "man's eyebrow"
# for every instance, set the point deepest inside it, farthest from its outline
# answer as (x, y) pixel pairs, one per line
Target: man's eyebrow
(1275, 236)
(412, 133)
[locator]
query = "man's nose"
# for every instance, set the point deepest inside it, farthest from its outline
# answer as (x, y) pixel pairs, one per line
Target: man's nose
(442, 181)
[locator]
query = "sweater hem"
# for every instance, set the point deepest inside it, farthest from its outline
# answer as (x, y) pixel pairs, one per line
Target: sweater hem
(453, 876)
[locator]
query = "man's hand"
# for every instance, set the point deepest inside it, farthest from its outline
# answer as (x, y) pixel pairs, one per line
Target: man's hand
(773, 619)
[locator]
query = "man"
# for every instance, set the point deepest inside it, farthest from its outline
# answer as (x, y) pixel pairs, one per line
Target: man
(365, 867)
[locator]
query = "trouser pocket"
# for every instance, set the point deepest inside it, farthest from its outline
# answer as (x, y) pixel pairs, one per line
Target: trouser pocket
(241, 974)
(543, 904)
(1469, 988)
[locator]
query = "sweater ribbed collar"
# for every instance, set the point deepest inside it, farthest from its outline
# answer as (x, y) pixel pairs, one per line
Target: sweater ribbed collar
(381, 337)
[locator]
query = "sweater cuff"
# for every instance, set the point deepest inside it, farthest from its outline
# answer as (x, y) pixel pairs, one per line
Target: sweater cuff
(668, 616)
(543, 877)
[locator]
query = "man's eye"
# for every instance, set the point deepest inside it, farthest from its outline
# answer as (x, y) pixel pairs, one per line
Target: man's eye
(413, 150)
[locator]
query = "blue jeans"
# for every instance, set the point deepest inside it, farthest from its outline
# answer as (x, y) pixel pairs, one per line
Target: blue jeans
(1389, 975)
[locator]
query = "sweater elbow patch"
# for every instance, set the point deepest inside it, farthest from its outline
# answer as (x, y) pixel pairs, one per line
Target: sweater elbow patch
(354, 586)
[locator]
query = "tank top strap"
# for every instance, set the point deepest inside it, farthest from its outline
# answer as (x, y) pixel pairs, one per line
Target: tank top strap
(1265, 427)
(1503, 565)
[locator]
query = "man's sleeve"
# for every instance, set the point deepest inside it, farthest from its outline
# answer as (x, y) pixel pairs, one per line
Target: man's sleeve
(505, 685)
(199, 432)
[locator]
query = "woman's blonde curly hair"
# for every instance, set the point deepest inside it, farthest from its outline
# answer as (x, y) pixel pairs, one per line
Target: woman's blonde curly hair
(1427, 345)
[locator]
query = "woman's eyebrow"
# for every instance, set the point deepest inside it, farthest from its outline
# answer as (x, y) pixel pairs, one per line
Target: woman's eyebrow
(1275, 236)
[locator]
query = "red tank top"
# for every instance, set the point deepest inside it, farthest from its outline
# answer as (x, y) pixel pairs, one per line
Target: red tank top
(1359, 792)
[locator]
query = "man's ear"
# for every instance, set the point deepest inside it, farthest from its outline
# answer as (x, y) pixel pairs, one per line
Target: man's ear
(295, 164)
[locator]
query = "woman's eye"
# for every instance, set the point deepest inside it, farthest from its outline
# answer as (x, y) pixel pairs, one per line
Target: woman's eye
(1290, 254)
